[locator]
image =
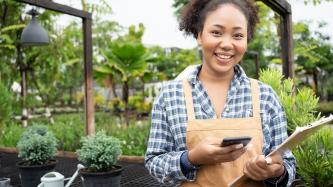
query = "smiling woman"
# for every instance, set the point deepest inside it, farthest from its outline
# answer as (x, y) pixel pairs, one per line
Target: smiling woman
(217, 100)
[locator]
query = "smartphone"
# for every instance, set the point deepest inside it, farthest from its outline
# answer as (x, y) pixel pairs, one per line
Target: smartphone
(236, 140)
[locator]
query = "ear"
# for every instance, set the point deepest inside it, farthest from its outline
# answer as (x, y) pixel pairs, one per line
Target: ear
(199, 40)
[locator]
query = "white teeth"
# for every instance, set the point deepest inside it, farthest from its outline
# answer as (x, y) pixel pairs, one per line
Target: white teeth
(223, 56)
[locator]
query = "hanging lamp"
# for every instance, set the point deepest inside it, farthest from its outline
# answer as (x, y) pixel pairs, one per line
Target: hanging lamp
(34, 34)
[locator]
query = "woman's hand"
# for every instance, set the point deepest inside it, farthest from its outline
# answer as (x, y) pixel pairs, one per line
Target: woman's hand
(258, 169)
(209, 151)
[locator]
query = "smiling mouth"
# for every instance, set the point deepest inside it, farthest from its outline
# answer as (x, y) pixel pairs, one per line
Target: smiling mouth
(223, 57)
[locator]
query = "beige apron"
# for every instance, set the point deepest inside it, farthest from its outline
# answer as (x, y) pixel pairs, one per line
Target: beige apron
(220, 175)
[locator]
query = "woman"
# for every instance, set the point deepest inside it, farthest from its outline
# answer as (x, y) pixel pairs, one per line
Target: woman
(217, 100)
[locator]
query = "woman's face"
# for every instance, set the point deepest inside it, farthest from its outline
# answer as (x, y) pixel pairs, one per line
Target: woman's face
(223, 39)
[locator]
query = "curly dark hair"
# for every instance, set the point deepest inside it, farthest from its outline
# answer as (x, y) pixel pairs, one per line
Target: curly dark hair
(194, 14)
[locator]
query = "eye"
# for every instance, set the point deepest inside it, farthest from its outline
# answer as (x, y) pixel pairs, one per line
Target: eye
(216, 33)
(239, 36)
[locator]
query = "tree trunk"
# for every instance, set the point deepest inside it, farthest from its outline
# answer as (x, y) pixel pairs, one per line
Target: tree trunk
(112, 86)
(315, 81)
(23, 73)
(143, 90)
(44, 99)
(125, 99)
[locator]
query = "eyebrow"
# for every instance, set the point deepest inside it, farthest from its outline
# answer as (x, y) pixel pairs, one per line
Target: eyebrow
(234, 28)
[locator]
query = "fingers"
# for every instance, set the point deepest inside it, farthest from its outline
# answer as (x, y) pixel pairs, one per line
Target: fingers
(231, 148)
(258, 169)
(231, 156)
(276, 158)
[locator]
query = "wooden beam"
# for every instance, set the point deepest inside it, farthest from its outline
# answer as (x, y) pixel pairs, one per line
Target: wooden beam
(87, 42)
(283, 8)
(280, 6)
(287, 46)
(58, 8)
(88, 71)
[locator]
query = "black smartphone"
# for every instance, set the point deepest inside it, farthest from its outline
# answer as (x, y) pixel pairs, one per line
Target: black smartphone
(236, 140)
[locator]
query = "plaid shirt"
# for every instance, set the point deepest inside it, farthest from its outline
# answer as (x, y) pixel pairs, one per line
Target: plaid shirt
(167, 141)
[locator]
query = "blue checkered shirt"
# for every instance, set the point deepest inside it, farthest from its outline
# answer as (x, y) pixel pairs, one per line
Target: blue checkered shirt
(167, 140)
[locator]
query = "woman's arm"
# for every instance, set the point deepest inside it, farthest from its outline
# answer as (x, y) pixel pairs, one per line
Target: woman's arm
(161, 160)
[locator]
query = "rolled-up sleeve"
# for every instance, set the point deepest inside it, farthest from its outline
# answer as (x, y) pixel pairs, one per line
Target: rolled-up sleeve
(161, 159)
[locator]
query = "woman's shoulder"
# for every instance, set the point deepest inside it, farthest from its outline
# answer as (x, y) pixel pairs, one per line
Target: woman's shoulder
(170, 90)
(263, 87)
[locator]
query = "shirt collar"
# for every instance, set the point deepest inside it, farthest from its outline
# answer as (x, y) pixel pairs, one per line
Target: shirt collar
(239, 76)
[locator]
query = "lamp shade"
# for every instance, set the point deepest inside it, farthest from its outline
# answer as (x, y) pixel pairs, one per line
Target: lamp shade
(34, 34)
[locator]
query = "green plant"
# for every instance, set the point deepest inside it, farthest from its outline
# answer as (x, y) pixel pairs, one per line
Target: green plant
(10, 134)
(37, 145)
(5, 104)
(315, 159)
(99, 152)
(117, 105)
(315, 156)
(299, 104)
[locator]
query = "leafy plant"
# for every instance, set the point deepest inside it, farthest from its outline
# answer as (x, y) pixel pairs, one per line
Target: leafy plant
(10, 134)
(5, 104)
(37, 145)
(99, 152)
(299, 105)
(315, 159)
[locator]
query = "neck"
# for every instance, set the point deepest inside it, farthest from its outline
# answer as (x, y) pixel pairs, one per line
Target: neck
(207, 75)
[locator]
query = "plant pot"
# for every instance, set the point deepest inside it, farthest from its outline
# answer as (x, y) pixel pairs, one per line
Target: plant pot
(30, 175)
(101, 179)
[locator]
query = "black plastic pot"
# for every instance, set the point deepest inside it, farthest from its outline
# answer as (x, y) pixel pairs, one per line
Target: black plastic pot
(30, 175)
(101, 179)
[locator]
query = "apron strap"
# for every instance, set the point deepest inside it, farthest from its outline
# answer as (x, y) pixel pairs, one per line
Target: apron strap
(255, 98)
(188, 100)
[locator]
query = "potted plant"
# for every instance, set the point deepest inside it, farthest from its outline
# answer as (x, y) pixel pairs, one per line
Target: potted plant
(99, 154)
(37, 148)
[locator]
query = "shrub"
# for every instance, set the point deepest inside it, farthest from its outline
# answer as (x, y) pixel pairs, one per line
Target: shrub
(10, 134)
(116, 105)
(315, 159)
(5, 104)
(315, 156)
(99, 152)
(37, 145)
(299, 104)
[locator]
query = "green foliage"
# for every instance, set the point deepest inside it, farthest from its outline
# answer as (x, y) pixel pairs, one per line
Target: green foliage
(99, 152)
(315, 159)
(37, 145)
(172, 61)
(10, 134)
(69, 128)
(137, 103)
(316, 2)
(116, 105)
(133, 138)
(5, 104)
(299, 106)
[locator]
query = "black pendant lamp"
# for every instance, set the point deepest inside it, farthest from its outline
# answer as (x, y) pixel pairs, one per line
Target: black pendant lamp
(34, 34)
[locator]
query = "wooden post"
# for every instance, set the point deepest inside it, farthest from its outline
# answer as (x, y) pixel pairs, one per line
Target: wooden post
(89, 92)
(287, 46)
(283, 8)
(87, 37)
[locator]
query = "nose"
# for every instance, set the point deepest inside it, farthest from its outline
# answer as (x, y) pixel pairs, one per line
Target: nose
(226, 43)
